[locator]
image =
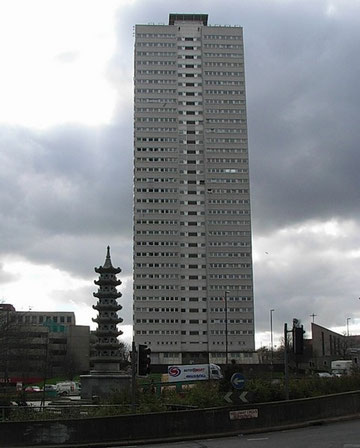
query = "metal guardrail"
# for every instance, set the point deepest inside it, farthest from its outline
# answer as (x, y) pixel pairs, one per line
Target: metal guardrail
(58, 410)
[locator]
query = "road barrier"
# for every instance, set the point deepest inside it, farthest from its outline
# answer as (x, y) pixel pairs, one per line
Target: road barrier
(174, 425)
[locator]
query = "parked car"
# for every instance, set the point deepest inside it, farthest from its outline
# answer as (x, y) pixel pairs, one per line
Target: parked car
(32, 389)
(324, 375)
(50, 387)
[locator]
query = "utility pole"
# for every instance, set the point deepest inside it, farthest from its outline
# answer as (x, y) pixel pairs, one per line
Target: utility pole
(271, 337)
(286, 362)
(133, 377)
(226, 328)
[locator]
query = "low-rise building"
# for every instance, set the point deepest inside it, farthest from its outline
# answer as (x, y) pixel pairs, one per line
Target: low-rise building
(37, 345)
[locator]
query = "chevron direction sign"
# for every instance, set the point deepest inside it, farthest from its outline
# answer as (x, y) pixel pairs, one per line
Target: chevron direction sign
(238, 397)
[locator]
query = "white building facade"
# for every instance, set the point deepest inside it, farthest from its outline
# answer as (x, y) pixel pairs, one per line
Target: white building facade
(193, 285)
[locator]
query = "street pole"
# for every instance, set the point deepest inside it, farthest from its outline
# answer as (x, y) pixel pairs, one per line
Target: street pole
(286, 362)
(133, 377)
(271, 337)
(347, 325)
(226, 328)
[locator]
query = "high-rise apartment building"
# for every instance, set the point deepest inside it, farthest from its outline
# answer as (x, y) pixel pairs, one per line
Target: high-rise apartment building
(193, 286)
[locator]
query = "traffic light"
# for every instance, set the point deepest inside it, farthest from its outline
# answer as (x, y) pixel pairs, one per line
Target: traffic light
(298, 340)
(144, 360)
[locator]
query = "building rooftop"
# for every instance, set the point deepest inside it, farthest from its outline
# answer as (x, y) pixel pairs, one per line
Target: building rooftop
(188, 18)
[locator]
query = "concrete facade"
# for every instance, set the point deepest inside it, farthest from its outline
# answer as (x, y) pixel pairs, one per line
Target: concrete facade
(192, 224)
(42, 344)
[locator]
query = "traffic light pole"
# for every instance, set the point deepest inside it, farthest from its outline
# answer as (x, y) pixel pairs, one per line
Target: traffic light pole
(286, 362)
(133, 377)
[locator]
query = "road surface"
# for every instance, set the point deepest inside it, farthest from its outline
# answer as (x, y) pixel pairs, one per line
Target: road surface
(334, 435)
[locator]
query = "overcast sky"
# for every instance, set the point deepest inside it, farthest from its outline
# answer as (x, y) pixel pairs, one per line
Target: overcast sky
(66, 152)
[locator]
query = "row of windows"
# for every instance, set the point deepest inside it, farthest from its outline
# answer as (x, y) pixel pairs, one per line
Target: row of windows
(231, 332)
(229, 276)
(222, 37)
(157, 119)
(156, 149)
(157, 265)
(228, 222)
(211, 222)
(228, 181)
(221, 73)
(145, 62)
(155, 44)
(164, 91)
(156, 221)
(156, 35)
(231, 310)
(224, 131)
(228, 201)
(157, 232)
(166, 298)
(228, 212)
(189, 39)
(156, 72)
(140, 81)
(156, 310)
(156, 170)
(225, 111)
(156, 53)
(224, 46)
(157, 139)
(223, 55)
(228, 254)
(228, 190)
(231, 321)
(155, 210)
(157, 321)
(229, 233)
(157, 159)
(224, 83)
(161, 287)
(156, 109)
(156, 243)
(157, 190)
(230, 244)
(226, 140)
(157, 201)
(156, 100)
(193, 299)
(226, 120)
(159, 332)
(218, 101)
(218, 160)
(224, 92)
(222, 64)
(230, 287)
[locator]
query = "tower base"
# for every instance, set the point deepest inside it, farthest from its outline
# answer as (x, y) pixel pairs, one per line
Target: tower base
(103, 384)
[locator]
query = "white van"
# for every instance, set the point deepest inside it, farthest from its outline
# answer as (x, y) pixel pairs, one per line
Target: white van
(68, 388)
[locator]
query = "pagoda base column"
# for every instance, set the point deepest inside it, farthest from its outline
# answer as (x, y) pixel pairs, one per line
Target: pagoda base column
(100, 384)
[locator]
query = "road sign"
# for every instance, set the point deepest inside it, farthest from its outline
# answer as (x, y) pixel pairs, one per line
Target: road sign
(238, 397)
(246, 413)
(237, 381)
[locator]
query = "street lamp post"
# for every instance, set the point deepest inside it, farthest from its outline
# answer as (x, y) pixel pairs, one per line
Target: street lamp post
(226, 327)
(271, 336)
(347, 325)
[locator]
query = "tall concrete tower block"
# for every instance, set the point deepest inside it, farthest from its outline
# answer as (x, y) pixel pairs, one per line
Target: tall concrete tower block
(193, 282)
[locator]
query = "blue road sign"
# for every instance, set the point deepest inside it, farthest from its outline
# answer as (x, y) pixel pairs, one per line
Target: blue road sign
(237, 381)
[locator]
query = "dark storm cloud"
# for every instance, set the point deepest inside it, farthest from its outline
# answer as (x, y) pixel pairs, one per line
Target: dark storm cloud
(66, 194)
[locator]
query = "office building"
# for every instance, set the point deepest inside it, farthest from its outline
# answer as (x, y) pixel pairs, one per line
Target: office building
(41, 344)
(193, 285)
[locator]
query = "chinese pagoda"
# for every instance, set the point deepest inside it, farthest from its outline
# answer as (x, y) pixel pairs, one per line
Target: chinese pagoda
(106, 376)
(107, 347)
